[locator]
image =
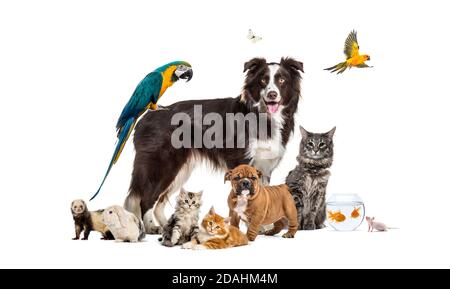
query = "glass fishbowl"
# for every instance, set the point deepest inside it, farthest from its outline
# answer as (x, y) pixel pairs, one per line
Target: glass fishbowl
(345, 212)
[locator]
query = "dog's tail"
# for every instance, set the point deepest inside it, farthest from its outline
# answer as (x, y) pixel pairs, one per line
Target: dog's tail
(123, 135)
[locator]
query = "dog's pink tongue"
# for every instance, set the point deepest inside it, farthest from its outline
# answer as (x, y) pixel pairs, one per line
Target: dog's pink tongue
(273, 107)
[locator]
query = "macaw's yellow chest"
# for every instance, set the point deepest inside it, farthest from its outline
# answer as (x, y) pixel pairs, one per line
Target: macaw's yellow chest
(167, 79)
(355, 60)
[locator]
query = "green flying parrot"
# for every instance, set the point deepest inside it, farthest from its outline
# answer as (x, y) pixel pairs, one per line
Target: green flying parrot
(144, 97)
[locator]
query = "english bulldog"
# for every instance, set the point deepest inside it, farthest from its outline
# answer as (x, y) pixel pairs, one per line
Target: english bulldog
(258, 205)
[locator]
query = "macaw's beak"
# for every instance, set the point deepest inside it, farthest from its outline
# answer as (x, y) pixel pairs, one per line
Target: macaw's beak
(368, 57)
(187, 74)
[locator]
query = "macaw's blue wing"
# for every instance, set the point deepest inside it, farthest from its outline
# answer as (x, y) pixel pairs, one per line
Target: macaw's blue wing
(145, 93)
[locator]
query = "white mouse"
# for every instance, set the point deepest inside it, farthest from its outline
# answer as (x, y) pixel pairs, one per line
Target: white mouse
(376, 225)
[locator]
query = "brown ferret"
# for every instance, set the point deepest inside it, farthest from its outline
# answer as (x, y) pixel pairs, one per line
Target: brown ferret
(88, 221)
(260, 205)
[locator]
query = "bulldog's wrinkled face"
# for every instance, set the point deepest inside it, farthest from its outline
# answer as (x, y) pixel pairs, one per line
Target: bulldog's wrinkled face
(244, 180)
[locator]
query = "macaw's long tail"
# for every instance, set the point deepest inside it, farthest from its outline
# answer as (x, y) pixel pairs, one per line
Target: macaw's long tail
(123, 135)
(340, 66)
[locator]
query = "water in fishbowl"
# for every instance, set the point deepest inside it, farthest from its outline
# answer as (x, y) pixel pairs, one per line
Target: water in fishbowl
(345, 212)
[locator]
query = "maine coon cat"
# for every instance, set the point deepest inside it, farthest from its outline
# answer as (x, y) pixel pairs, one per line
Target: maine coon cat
(182, 226)
(308, 181)
(216, 233)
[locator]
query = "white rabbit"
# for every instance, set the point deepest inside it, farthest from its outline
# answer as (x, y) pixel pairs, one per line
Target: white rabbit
(124, 225)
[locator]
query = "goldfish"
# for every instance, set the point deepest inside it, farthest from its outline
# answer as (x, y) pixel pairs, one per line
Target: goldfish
(336, 216)
(351, 51)
(355, 213)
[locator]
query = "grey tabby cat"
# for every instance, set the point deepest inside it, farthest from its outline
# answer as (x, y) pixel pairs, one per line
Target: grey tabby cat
(182, 226)
(308, 181)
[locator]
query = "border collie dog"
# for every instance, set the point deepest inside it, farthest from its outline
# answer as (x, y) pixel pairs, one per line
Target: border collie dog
(160, 169)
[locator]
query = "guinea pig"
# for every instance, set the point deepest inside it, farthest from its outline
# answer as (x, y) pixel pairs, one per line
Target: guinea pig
(88, 221)
(124, 225)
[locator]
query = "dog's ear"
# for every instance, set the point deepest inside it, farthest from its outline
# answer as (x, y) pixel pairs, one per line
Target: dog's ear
(227, 176)
(254, 63)
(259, 173)
(292, 63)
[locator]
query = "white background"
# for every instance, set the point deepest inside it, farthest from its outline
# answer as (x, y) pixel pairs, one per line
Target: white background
(68, 67)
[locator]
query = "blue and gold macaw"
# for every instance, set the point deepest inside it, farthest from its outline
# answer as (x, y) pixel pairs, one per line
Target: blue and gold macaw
(144, 97)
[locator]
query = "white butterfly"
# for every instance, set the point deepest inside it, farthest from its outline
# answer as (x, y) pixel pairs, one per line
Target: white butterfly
(252, 37)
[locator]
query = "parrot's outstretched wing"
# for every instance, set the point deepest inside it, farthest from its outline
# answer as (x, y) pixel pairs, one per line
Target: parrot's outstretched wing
(351, 47)
(146, 92)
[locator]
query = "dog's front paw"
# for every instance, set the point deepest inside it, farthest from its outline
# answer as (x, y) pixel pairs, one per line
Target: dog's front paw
(251, 237)
(288, 235)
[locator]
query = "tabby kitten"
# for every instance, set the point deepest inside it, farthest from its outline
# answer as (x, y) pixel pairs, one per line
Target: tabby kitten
(182, 226)
(308, 181)
(216, 233)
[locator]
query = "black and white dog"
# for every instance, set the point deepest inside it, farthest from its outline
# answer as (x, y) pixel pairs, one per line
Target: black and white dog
(160, 169)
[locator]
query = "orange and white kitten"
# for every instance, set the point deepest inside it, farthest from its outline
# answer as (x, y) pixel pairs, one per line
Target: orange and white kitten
(215, 232)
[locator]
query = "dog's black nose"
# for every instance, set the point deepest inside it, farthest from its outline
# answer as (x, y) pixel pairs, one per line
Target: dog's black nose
(246, 184)
(272, 95)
